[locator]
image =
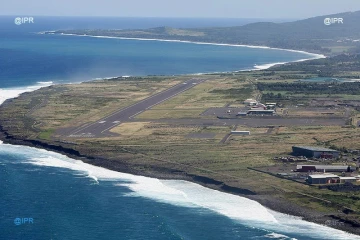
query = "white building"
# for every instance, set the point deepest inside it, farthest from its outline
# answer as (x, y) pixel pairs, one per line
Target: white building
(250, 102)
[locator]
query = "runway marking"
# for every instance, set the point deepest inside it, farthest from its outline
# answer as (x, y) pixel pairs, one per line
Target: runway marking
(82, 127)
(170, 97)
(116, 121)
(82, 135)
(177, 85)
(195, 79)
(110, 127)
(102, 122)
(136, 114)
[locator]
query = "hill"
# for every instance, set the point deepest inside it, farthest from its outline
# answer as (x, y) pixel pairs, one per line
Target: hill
(309, 34)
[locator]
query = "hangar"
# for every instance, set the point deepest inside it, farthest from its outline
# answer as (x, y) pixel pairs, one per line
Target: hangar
(315, 152)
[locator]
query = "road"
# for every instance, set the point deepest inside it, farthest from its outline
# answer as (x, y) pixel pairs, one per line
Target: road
(256, 121)
(102, 127)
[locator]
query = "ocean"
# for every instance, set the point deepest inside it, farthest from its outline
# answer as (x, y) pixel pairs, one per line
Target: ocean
(46, 195)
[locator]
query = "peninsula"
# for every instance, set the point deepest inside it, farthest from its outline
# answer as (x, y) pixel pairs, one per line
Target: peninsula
(310, 35)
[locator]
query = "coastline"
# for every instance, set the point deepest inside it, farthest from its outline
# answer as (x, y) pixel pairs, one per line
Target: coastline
(270, 202)
(256, 67)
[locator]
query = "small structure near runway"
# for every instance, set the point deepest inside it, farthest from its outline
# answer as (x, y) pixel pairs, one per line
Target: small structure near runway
(260, 112)
(250, 102)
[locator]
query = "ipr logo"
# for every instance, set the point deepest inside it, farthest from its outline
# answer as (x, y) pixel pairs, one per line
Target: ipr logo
(22, 20)
(19, 221)
(329, 21)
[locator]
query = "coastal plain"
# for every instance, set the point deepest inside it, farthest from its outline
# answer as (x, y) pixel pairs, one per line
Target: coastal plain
(187, 136)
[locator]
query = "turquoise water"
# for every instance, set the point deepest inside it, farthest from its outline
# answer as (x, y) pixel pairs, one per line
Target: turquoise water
(67, 199)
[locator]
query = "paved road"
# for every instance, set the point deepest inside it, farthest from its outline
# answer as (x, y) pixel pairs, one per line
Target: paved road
(102, 127)
(257, 122)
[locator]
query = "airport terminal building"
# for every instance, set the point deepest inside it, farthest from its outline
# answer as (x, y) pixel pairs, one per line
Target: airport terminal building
(260, 112)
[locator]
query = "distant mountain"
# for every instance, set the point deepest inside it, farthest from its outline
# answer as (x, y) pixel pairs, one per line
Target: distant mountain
(308, 29)
(310, 34)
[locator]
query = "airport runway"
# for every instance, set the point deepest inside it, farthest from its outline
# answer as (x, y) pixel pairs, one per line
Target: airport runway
(102, 127)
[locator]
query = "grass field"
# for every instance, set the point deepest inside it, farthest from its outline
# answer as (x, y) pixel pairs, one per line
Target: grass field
(212, 93)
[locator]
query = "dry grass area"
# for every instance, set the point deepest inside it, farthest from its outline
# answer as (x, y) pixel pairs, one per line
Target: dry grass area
(237, 105)
(337, 136)
(252, 130)
(356, 120)
(133, 128)
(240, 152)
(147, 134)
(73, 105)
(89, 102)
(199, 98)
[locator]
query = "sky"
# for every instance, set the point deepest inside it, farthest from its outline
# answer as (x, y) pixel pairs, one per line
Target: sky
(298, 9)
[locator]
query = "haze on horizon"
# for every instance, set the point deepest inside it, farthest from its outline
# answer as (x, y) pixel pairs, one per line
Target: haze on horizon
(294, 9)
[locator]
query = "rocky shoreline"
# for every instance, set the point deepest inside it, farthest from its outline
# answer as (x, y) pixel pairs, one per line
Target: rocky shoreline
(270, 201)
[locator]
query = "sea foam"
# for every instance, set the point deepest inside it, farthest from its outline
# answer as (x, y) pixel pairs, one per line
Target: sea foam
(15, 92)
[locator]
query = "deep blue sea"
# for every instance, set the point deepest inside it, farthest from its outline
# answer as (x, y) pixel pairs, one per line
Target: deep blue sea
(45, 195)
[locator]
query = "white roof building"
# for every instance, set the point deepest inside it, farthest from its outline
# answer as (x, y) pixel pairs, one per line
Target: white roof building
(324, 176)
